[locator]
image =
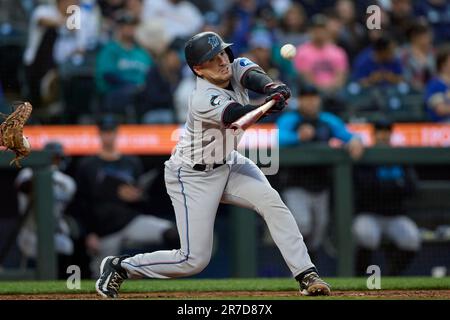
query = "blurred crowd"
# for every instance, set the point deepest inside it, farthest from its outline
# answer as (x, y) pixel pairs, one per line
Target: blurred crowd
(127, 56)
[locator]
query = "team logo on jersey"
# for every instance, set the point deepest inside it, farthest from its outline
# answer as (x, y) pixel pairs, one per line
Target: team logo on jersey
(217, 100)
(245, 62)
(213, 41)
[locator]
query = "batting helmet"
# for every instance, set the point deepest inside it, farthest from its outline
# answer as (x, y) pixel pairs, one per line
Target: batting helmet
(204, 46)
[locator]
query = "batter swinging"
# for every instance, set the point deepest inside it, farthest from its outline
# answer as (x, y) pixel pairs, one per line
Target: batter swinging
(205, 169)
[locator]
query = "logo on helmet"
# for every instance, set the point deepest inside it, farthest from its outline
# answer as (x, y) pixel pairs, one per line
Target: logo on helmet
(213, 41)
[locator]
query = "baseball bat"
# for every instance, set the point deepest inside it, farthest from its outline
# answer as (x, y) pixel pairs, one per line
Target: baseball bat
(250, 118)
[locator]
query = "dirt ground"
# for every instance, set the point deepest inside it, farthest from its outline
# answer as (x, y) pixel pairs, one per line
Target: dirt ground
(371, 294)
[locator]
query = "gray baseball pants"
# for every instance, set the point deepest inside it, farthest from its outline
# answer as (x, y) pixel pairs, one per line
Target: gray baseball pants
(196, 196)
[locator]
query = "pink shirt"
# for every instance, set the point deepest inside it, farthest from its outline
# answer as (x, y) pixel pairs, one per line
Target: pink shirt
(324, 63)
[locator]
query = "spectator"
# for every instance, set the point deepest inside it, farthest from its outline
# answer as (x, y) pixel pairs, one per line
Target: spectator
(280, 6)
(260, 51)
(152, 36)
(203, 5)
(313, 7)
(213, 22)
(42, 35)
(73, 43)
(401, 17)
(112, 201)
(266, 18)
(134, 7)
(64, 188)
(109, 10)
(182, 94)
(220, 7)
(181, 18)
(381, 192)
(75, 51)
(319, 61)
(293, 26)
(378, 64)
(122, 66)
(241, 17)
(14, 18)
(307, 191)
(157, 101)
(352, 34)
(437, 93)
(292, 29)
(417, 57)
(334, 25)
(437, 13)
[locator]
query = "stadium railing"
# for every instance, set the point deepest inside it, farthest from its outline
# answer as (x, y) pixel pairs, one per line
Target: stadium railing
(46, 264)
(244, 224)
(244, 246)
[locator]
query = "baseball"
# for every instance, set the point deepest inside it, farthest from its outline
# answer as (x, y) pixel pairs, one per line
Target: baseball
(288, 51)
(26, 143)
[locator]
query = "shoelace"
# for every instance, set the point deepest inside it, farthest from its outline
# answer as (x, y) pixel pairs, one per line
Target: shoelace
(310, 277)
(116, 281)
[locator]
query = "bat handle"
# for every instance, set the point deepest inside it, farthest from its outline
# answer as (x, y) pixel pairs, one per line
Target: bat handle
(240, 125)
(268, 105)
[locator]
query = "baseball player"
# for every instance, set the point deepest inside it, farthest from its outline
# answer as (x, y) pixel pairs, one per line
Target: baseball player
(205, 169)
(64, 188)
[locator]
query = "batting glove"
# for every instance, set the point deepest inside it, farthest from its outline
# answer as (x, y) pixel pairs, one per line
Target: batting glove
(280, 102)
(273, 87)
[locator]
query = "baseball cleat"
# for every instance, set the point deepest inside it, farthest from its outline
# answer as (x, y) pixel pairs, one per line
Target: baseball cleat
(111, 276)
(312, 285)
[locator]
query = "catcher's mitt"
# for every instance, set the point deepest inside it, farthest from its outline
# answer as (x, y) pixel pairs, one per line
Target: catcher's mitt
(11, 132)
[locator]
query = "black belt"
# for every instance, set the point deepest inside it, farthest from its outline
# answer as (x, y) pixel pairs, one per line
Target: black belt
(202, 167)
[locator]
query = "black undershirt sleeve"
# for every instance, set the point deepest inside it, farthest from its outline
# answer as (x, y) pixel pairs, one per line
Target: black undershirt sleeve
(255, 80)
(234, 111)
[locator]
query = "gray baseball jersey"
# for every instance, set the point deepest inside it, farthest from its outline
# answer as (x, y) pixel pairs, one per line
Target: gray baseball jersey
(196, 194)
(205, 139)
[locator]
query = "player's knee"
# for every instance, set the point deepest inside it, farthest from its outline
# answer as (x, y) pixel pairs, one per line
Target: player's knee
(406, 234)
(196, 264)
(270, 198)
(408, 243)
(366, 232)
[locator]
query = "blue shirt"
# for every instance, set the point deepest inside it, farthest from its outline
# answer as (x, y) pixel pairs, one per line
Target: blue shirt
(327, 126)
(436, 90)
(365, 65)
